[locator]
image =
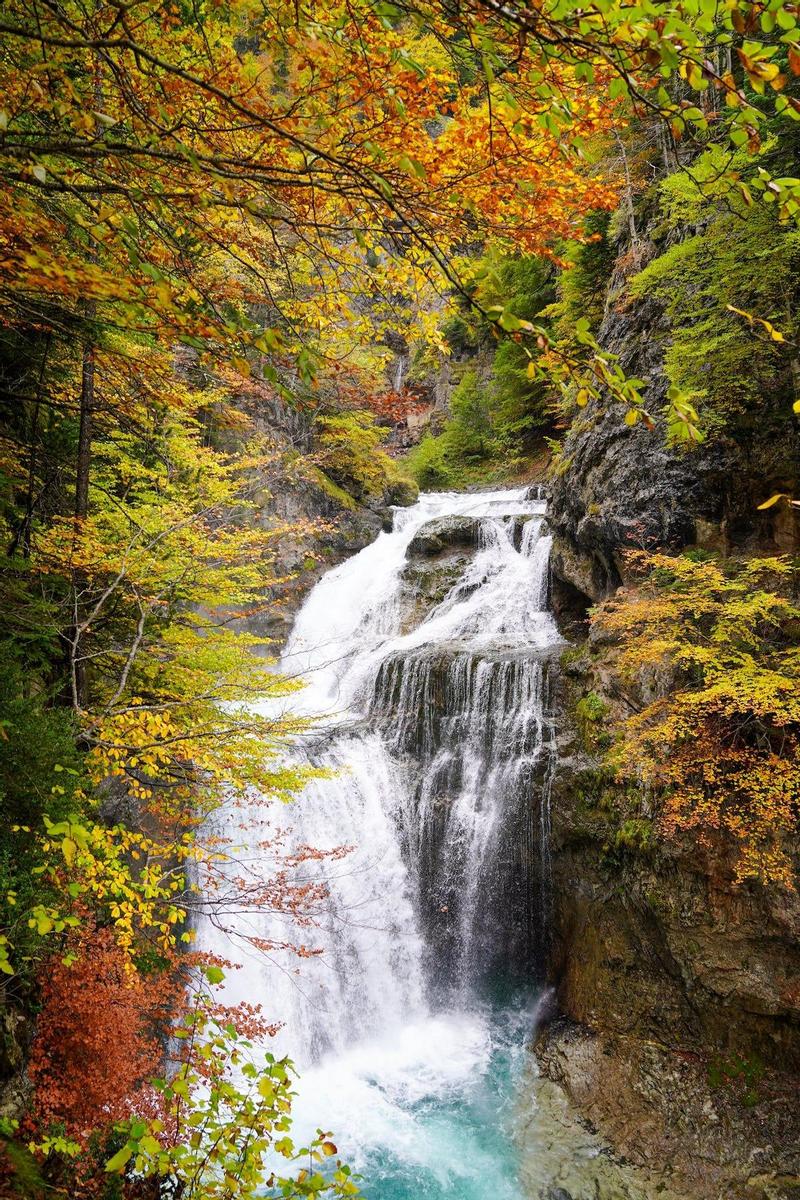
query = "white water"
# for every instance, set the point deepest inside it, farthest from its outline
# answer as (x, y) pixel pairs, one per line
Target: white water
(440, 746)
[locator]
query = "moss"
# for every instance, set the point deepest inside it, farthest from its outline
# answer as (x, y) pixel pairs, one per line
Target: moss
(21, 1171)
(635, 834)
(400, 488)
(331, 489)
(742, 1073)
(743, 257)
(591, 708)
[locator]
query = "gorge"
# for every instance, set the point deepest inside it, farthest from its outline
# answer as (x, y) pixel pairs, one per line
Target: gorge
(400, 600)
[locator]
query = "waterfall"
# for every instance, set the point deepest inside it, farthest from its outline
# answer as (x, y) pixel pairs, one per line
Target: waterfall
(435, 744)
(401, 362)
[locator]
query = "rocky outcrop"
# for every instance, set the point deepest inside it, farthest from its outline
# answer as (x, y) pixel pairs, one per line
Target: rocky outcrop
(620, 487)
(448, 534)
(445, 533)
(680, 1136)
(16, 1030)
(678, 987)
(317, 523)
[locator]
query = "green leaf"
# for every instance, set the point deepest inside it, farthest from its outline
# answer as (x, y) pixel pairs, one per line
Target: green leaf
(119, 1160)
(509, 322)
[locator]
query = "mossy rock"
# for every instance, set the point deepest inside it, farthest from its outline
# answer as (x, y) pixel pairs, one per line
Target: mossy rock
(401, 493)
(443, 534)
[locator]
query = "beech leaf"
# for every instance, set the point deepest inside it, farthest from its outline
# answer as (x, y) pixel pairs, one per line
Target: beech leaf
(119, 1160)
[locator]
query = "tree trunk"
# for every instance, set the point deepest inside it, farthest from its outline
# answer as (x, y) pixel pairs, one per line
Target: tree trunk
(76, 664)
(85, 434)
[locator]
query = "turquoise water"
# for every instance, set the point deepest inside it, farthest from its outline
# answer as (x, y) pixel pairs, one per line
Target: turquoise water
(470, 1125)
(428, 1111)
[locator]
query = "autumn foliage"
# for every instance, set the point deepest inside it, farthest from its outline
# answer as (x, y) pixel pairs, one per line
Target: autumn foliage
(98, 1037)
(210, 211)
(717, 642)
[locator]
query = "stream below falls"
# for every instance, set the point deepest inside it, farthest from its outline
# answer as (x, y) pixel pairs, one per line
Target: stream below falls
(410, 1030)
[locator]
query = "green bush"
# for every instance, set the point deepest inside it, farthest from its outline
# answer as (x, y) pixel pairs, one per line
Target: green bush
(591, 707)
(582, 286)
(519, 405)
(469, 430)
(352, 464)
(490, 423)
(466, 443)
(428, 464)
(41, 772)
(742, 257)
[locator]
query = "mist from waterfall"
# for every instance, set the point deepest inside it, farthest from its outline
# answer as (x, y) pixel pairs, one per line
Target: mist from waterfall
(437, 745)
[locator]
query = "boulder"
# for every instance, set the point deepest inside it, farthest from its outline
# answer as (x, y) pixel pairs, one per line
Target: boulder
(444, 534)
(401, 493)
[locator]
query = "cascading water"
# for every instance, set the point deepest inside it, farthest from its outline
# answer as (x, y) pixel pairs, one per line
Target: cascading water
(438, 745)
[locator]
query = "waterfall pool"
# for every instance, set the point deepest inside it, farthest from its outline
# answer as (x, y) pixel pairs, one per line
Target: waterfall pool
(428, 1111)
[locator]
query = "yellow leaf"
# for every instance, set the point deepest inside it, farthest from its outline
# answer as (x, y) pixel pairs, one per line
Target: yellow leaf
(772, 500)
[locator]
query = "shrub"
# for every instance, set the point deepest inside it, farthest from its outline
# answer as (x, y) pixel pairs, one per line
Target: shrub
(742, 257)
(348, 452)
(428, 464)
(97, 1041)
(41, 771)
(721, 746)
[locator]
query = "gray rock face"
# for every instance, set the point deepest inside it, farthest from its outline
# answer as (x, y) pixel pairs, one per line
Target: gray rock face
(625, 490)
(436, 559)
(622, 488)
(676, 981)
(328, 523)
(682, 1046)
(654, 1103)
(447, 535)
(444, 533)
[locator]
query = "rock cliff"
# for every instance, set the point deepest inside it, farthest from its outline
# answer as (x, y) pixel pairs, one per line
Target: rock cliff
(679, 1035)
(620, 487)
